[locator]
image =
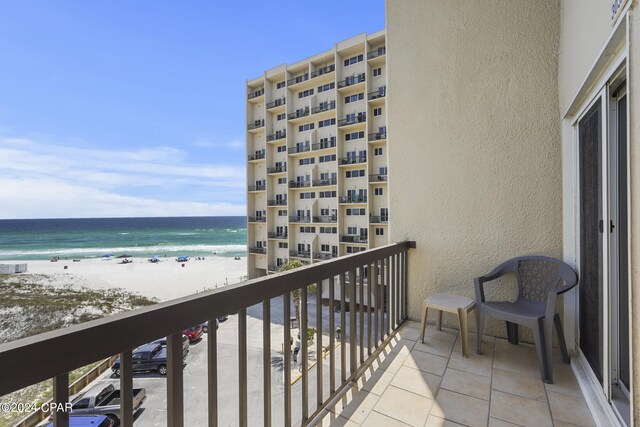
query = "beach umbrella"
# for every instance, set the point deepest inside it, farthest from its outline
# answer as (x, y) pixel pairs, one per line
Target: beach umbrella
(124, 256)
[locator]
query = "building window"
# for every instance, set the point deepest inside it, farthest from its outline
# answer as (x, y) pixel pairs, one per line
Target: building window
(280, 85)
(281, 116)
(378, 191)
(353, 60)
(305, 93)
(377, 151)
(379, 231)
(354, 135)
(327, 158)
(308, 195)
(327, 122)
(307, 161)
(282, 149)
(282, 213)
(307, 229)
(326, 87)
(329, 230)
(354, 174)
(305, 127)
(353, 98)
(377, 72)
(327, 194)
(355, 211)
(283, 245)
(282, 180)
(377, 111)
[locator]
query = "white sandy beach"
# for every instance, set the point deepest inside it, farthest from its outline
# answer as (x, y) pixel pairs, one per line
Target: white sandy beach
(164, 280)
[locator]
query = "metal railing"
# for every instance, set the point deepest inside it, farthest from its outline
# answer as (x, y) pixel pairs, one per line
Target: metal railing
(278, 102)
(256, 93)
(353, 239)
(380, 93)
(301, 112)
(325, 182)
(277, 169)
(274, 235)
(300, 254)
(379, 219)
(352, 199)
(324, 70)
(379, 177)
(300, 149)
(256, 156)
(277, 135)
(367, 314)
(378, 135)
(351, 120)
(299, 184)
(326, 219)
(277, 202)
(324, 106)
(257, 250)
(259, 187)
(324, 143)
(257, 219)
(323, 255)
(352, 160)
(298, 79)
(256, 124)
(296, 218)
(352, 80)
(377, 52)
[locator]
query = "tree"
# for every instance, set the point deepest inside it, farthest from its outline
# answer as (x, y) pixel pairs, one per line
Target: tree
(292, 264)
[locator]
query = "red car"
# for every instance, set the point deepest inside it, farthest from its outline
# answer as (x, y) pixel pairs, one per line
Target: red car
(194, 333)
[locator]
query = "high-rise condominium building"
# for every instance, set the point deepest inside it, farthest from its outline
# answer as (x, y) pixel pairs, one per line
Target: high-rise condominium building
(317, 156)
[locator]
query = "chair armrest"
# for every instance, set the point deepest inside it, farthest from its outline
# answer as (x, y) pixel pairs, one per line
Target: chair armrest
(479, 282)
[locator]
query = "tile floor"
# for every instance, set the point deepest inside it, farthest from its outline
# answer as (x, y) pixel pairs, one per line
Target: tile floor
(415, 384)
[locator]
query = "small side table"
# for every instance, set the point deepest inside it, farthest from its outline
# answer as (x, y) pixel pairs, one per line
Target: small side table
(452, 304)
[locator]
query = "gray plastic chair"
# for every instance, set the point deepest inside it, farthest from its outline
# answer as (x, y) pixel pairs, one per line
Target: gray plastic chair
(540, 280)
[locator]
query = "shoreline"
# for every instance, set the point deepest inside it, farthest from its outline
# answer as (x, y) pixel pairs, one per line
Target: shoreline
(164, 280)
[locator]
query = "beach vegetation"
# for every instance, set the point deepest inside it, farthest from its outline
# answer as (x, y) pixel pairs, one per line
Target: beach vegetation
(295, 294)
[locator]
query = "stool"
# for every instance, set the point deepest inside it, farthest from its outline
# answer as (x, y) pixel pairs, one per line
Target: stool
(452, 304)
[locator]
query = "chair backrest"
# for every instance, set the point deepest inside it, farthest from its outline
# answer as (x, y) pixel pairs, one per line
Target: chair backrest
(536, 276)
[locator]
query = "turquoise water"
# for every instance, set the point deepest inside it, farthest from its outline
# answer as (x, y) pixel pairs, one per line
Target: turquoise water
(138, 237)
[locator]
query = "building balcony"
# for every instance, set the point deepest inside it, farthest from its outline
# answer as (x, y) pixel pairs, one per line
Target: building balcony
(352, 160)
(256, 156)
(325, 182)
(352, 120)
(300, 219)
(323, 70)
(326, 219)
(299, 184)
(324, 144)
(299, 149)
(259, 187)
(352, 199)
(274, 235)
(298, 79)
(257, 250)
(276, 103)
(378, 177)
(299, 254)
(377, 136)
(321, 256)
(379, 219)
(352, 80)
(256, 125)
(277, 135)
(256, 93)
(277, 202)
(380, 93)
(324, 106)
(353, 239)
(382, 50)
(257, 219)
(302, 112)
(277, 169)
(369, 374)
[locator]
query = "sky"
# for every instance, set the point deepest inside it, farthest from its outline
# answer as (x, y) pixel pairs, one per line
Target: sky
(121, 109)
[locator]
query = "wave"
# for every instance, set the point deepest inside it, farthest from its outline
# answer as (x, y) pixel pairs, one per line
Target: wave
(160, 249)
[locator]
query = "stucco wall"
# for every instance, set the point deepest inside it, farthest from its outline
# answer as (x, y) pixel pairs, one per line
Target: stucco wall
(585, 28)
(475, 170)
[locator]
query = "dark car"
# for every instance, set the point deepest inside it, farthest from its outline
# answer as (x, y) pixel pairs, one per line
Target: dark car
(185, 344)
(205, 326)
(194, 333)
(149, 357)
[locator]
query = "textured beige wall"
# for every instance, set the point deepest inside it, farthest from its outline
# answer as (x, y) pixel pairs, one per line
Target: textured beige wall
(475, 171)
(585, 28)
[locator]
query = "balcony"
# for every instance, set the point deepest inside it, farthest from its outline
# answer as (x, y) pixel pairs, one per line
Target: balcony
(353, 199)
(277, 202)
(384, 219)
(325, 182)
(277, 169)
(323, 256)
(257, 187)
(380, 177)
(299, 184)
(324, 106)
(302, 219)
(274, 235)
(377, 136)
(377, 94)
(353, 119)
(276, 136)
(352, 160)
(298, 79)
(324, 144)
(276, 103)
(256, 125)
(382, 50)
(299, 113)
(257, 219)
(324, 70)
(257, 250)
(369, 374)
(326, 219)
(256, 94)
(256, 156)
(300, 148)
(353, 239)
(300, 254)
(352, 80)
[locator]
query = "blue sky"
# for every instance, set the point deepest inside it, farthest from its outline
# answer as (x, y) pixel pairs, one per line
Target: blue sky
(138, 108)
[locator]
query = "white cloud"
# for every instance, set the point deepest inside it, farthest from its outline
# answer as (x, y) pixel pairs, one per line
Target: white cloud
(233, 144)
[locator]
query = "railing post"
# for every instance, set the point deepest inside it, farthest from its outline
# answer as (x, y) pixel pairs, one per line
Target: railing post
(242, 366)
(175, 394)
(387, 283)
(319, 377)
(353, 337)
(376, 295)
(126, 389)
(361, 306)
(266, 359)
(286, 314)
(370, 285)
(304, 343)
(332, 342)
(212, 372)
(61, 398)
(343, 329)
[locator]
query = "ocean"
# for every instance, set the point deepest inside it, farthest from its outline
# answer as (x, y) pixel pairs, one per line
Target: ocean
(36, 239)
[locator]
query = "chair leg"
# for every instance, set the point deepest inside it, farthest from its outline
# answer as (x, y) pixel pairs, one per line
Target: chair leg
(541, 350)
(462, 320)
(548, 347)
(425, 308)
(512, 332)
(480, 327)
(439, 320)
(561, 341)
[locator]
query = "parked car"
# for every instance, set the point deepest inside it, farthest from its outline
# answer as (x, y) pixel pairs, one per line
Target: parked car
(104, 399)
(194, 333)
(185, 344)
(88, 421)
(223, 318)
(205, 326)
(149, 357)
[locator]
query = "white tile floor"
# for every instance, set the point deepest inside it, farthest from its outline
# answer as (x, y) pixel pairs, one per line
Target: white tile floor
(431, 384)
